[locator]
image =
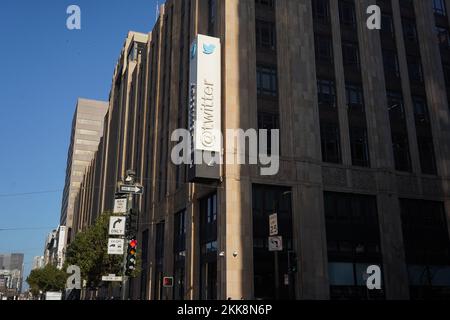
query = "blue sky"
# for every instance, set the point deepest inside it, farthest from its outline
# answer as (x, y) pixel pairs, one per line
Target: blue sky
(44, 69)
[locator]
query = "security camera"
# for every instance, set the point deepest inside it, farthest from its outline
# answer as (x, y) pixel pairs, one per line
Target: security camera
(235, 254)
(222, 254)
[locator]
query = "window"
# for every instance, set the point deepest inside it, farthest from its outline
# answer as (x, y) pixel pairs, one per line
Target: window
(353, 243)
(212, 17)
(267, 3)
(387, 26)
(415, 70)
(439, 7)
(133, 53)
(87, 132)
(426, 155)
(87, 142)
(347, 13)
(420, 110)
(427, 247)
(359, 146)
(355, 97)
(447, 74)
(265, 34)
(268, 121)
(179, 254)
(159, 260)
(391, 66)
(84, 152)
(90, 122)
(326, 93)
(401, 152)
(443, 37)
(324, 49)
(331, 149)
(266, 200)
(208, 244)
(267, 81)
(395, 106)
(409, 30)
(180, 231)
(350, 54)
(321, 11)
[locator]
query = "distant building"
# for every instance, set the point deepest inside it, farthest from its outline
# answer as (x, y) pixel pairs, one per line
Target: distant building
(87, 129)
(11, 274)
(38, 263)
(54, 250)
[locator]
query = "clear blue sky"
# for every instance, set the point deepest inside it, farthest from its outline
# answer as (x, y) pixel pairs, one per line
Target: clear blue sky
(44, 68)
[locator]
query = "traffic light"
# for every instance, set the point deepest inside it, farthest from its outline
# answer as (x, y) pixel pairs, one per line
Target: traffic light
(292, 261)
(132, 224)
(131, 257)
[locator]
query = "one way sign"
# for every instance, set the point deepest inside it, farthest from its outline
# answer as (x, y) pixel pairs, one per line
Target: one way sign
(117, 226)
(134, 189)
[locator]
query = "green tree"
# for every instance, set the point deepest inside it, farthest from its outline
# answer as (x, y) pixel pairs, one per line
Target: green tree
(89, 252)
(46, 279)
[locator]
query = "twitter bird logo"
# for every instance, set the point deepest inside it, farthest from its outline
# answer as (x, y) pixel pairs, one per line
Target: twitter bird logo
(194, 51)
(208, 48)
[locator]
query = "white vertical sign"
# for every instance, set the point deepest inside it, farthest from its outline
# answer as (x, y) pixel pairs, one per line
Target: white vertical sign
(273, 224)
(205, 94)
(120, 206)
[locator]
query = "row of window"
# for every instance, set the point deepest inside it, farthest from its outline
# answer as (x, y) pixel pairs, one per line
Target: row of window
(354, 244)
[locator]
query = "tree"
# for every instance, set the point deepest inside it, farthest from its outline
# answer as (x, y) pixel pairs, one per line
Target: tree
(89, 252)
(46, 279)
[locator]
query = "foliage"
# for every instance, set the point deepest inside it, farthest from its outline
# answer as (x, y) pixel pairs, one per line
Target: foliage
(46, 279)
(89, 252)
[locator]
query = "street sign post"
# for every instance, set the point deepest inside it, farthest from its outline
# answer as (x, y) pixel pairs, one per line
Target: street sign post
(131, 189)
(117, 226)
(116, 246)
(276, 243)
(120, 206)
(112, 278)
(273, 224)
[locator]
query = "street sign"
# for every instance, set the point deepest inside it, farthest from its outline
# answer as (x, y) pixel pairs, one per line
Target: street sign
(276, 243)
(131, 189)
(120, 206)
(273, 224)
(115, 246)
(112, 278)
(117, 226)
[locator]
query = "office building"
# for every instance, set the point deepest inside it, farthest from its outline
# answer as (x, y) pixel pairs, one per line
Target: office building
(87, 129)
(365, 151)
(11, 274)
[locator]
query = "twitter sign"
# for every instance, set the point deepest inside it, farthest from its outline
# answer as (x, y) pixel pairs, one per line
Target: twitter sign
(205, 94)
(205, 121)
